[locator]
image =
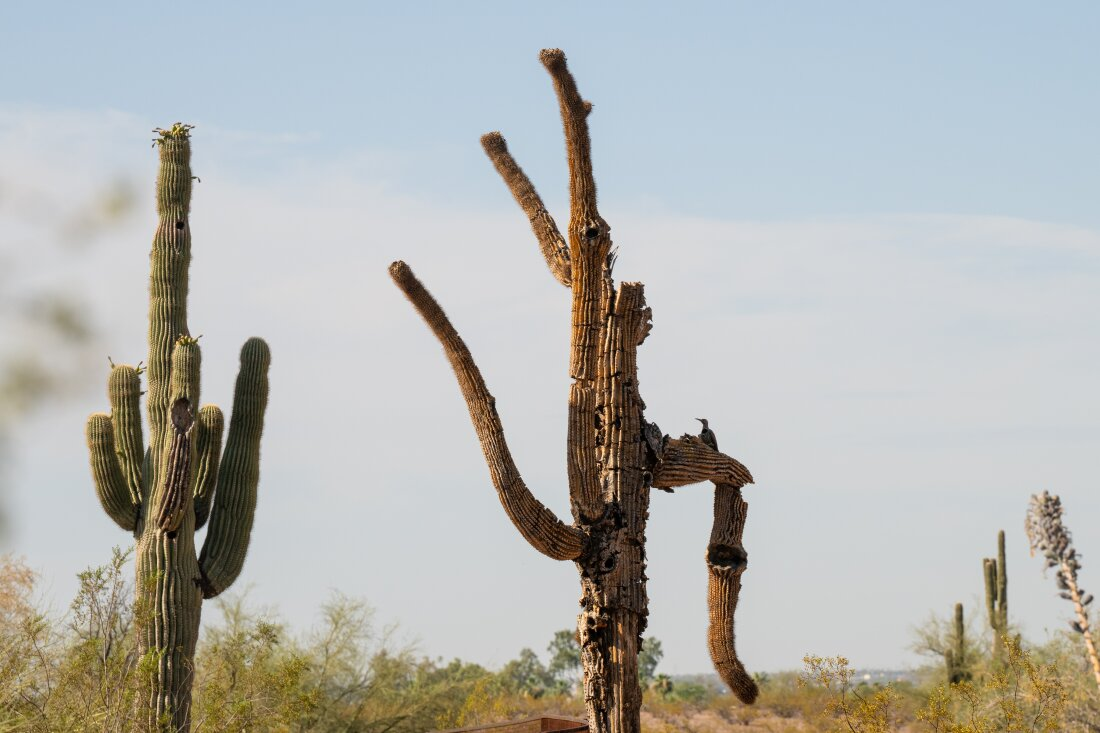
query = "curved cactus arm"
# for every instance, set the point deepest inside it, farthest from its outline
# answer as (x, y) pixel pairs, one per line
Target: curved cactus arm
(726, 561)
(168, 279)
(688, 460)
(210, 428)
(538, 524)
(554, 248)
(124, 391)
(110, 484)
(234, 507)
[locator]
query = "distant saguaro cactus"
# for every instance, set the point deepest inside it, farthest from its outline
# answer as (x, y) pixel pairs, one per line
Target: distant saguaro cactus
(1046, 533)
(164, 493)
(955, 657)
(614, 456)
(996, 596)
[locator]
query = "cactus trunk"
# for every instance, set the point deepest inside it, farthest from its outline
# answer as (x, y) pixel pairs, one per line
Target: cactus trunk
(165, 493)
(614, 457)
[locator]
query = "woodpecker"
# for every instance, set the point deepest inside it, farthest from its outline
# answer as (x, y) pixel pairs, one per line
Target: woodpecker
(707, 435)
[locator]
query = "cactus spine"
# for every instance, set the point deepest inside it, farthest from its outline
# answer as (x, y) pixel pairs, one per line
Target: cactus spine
(614, 457)
(1046, 533)
(996, 597)
(164, 493)
(955, 656)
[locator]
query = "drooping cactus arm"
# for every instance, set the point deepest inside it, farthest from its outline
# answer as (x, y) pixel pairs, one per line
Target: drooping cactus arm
(726, 561)
(168, 275)
(234, 507)
(688, 460)
(554, 248)
(124, 392)
(110, 485)
(210, 427)
(538, 524)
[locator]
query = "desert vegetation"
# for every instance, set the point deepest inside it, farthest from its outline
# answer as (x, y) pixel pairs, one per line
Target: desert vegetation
(83, 669)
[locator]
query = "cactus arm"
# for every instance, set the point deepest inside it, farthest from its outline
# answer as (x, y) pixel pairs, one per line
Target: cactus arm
(578, 146)
(726, 561)
(1002, 582)
(234, 507)
(110, 484)
(210, 428)
(170, 258)
(537, 523)
(688, 460)
(124, 391)
(552, 244)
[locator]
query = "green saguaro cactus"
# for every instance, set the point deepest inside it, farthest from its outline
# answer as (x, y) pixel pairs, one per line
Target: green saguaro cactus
(996, 597)
(164, 493)
(955, 656)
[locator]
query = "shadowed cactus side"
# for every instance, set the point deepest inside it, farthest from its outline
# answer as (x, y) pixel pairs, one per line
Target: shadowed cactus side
(164, 493)
(996, 597)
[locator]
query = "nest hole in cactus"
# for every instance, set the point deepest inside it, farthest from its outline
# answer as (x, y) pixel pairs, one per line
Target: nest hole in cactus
(727, 556)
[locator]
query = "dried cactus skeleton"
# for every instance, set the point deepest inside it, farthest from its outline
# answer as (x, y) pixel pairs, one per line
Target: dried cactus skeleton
(614, 456)
(167, 492)
(1047, 534)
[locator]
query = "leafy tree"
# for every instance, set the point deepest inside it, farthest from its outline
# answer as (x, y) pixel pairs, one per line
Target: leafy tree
(649, 656)
(565, 656)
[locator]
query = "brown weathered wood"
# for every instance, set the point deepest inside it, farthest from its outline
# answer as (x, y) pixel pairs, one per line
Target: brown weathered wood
(537, 523)
(613, 455)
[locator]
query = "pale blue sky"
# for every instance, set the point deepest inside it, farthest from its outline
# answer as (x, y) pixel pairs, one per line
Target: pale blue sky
(871, 228)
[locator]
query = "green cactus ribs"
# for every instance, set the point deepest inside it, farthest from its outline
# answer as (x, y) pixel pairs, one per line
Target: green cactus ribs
(163, 492)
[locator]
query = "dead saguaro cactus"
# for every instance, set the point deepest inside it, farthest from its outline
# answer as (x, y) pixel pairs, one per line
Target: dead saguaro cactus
(164, 493)
(1046, 533)
(613, 455)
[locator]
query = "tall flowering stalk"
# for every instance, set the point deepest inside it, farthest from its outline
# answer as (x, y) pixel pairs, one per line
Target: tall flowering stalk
(1047, 534)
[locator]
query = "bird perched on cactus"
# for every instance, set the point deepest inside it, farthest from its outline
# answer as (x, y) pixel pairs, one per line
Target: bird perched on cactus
(164, 493)
(1047, 534)
(707, 435)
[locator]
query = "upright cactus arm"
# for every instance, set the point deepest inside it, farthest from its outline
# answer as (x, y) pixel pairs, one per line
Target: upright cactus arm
(726, 561)
(234, 506)
(210, 427)
(124, 392)
(1002, 581)
(110, 485)
(537, 523)
(687, 460)
(554, 248)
